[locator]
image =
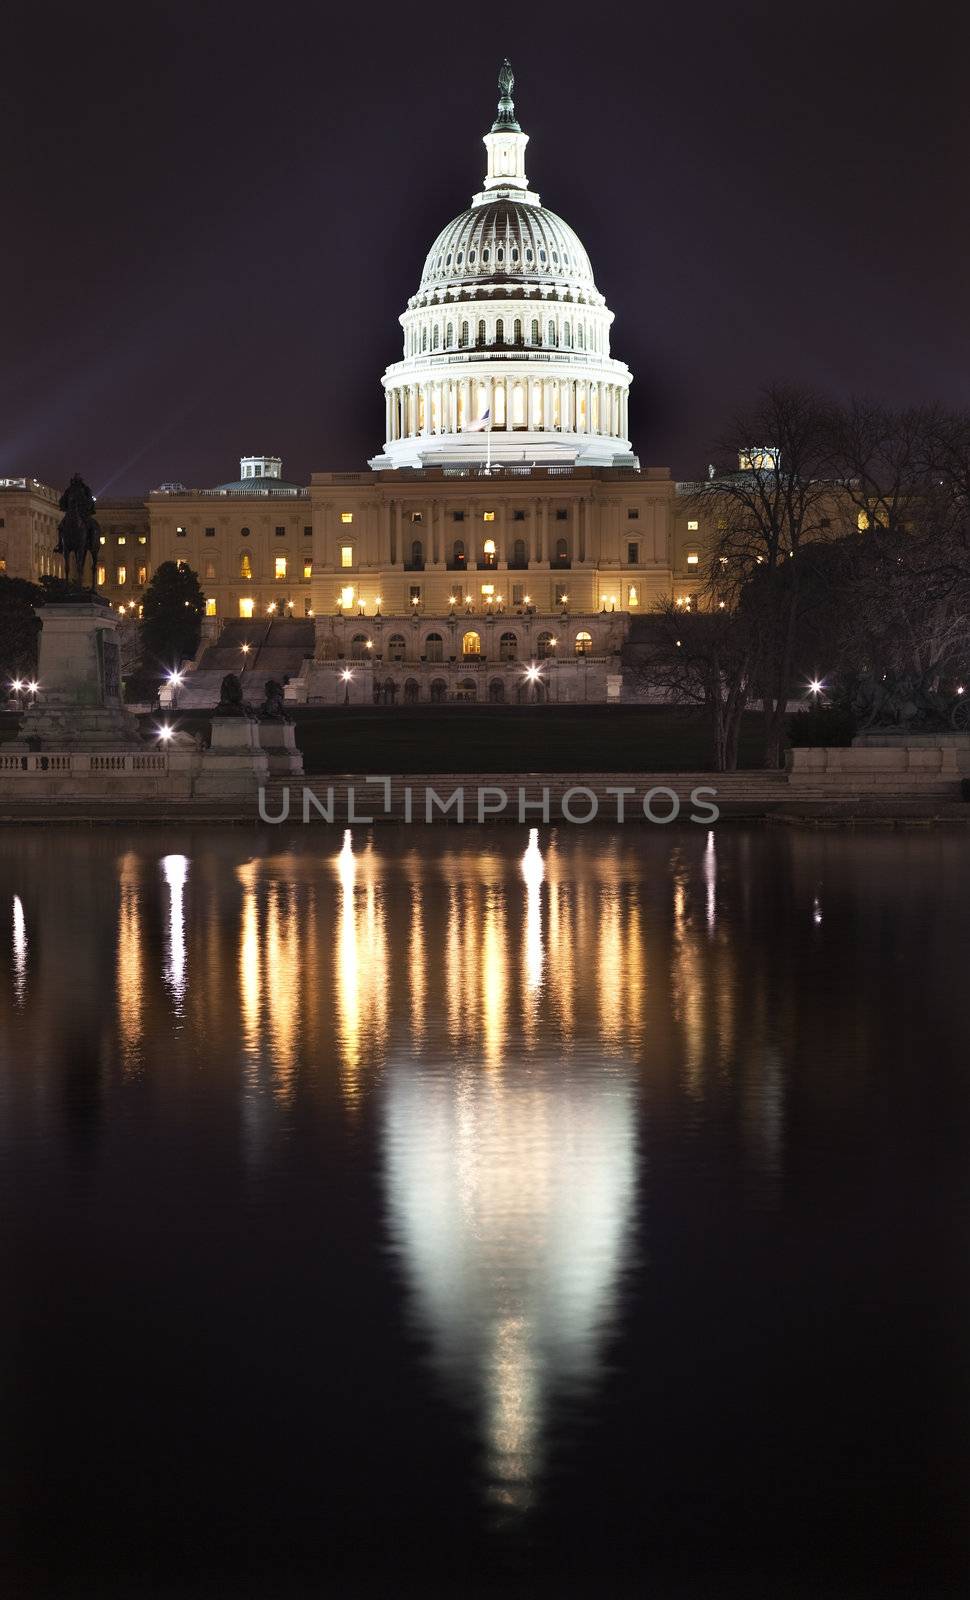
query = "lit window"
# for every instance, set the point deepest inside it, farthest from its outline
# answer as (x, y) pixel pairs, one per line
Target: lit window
(279, 566)
(693, 559)
(180, 533)
(692, 527)
(122, 539)
(102, 575)
(417, 516)
(489, 547)
(308, 569)
(346, 555)
(142, 575)
(471, 644)
(347, 596)
(246, 606)
(488, 588)
(632, 596)
(143, 537)
(122, 575)
(488, 516)
(584, 644)
(102, 540)
(245, 566)
(346, 516)
(862, 521)
(210, 608)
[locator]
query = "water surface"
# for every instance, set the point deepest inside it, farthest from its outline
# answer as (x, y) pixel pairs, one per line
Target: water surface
(465, 1212)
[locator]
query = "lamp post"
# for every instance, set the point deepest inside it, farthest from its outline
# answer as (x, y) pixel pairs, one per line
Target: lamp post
(346, 675)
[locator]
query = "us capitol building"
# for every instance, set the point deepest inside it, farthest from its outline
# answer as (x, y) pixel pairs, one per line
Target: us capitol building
(504, 534)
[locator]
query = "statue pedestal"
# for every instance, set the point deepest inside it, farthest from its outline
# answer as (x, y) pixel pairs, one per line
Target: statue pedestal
(277, 740)
(234, 764)
(79, 704)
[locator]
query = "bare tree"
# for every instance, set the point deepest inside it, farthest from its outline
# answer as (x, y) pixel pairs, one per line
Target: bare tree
(702, 659)
(771, 497)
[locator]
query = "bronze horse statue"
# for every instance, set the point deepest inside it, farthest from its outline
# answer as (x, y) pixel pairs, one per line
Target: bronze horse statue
(78, 534)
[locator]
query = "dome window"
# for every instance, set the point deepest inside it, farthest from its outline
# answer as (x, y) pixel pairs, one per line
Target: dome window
(535, 330)
(459, 258)
(471, 258)
(486, 254)
(515, 252)
(528, 255)
(500, 331)
(542, 257)
(448, 262)
(500, 254)
(555, 257)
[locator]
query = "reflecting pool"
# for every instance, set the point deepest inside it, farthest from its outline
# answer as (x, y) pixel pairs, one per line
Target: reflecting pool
(473, 1212)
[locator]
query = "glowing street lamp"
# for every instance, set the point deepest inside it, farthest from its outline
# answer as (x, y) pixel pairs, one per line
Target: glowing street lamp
(815, 687)
(245, 648)
(165, 733)
(377, 606)
(346, 675)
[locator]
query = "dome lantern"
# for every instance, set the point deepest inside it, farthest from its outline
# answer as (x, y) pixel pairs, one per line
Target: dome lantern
(506, 144)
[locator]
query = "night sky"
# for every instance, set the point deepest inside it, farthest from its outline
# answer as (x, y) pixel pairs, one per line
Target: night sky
(214, 214)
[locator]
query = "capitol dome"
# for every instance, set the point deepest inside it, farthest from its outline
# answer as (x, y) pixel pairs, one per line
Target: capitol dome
(507, 341)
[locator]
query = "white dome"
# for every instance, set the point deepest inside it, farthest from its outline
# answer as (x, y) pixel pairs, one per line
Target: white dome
(506, 242)
(506, 353)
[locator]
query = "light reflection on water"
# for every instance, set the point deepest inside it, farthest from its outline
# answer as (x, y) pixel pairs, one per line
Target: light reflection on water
(557, 1059)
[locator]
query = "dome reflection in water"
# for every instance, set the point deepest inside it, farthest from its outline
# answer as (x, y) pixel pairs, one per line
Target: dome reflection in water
(510, 1175)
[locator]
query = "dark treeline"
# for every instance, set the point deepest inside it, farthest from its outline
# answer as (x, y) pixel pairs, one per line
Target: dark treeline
(839, 547)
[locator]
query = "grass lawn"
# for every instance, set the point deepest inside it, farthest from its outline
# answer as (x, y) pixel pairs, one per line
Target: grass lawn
(454, 738)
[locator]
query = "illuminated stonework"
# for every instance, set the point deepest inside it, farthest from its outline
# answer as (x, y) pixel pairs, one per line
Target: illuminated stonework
(507, 341)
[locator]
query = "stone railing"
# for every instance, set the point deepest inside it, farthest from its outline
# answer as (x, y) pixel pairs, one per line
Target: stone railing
(78, 763)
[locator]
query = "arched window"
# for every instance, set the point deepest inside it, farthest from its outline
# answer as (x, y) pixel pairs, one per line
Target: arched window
(579, 337)
(517, 330)
(567, 336)
(439, 691)
(449, 335)
(551, 334)
(411, 690)
(535, 330)
(500, 331)
(545, 645)
(434, 338)
(508, 647)
(519, 558)
(463, 339)
(467, 689)
(562, 550)
(434, 647)
(481, 331)
(471, 644)
(458, 553)
(488, 553)
(417, 553)
(396, 647)
(424, 339)
(245, 565)
(584, 643)
(358, 647)
(496, 692)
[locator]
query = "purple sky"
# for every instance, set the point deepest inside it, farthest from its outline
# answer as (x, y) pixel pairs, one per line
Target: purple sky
(213, 215)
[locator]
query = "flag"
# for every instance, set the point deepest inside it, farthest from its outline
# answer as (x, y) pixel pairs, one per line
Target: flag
(483, 422)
